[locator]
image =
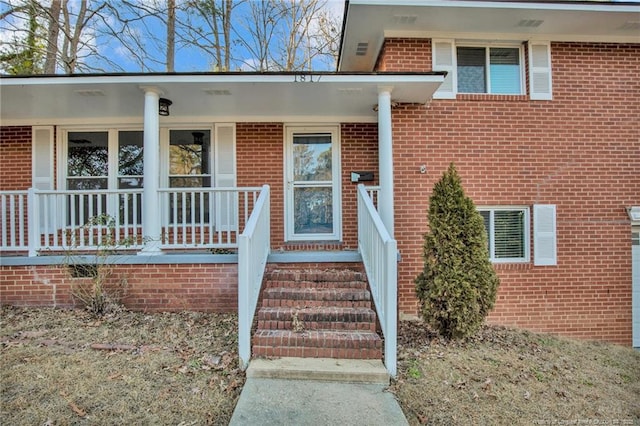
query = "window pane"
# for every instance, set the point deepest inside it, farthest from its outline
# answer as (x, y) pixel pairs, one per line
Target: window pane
(312, 157)
(505, 70)
(88, 154)
(130, 157)
(189, 152)
(486, 216)
(471, 70)
(509, 234)
(313, 211)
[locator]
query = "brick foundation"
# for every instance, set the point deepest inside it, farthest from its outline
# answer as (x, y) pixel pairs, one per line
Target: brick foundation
(152, 288)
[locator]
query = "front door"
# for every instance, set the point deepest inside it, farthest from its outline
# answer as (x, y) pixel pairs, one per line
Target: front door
(312, 170)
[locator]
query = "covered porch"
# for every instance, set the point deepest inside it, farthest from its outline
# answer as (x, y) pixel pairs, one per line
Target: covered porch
(243, 209)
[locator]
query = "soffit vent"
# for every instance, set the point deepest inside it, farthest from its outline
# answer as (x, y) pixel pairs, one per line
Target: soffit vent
(89, 92)
(530, 23)
(405, 19)
(362, 48)
(218, 92)
(630, 26)
(350, 91)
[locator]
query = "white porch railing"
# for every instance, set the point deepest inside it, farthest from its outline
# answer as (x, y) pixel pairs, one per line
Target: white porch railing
(374, 194)
(204, 217)
(380, 256)
(59, 220)
(253, 249)
(14, 233)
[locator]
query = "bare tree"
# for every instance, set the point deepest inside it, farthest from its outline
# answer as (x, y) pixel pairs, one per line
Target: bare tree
(171, 35)
(52, 37)
(208, 27)
(287, 35)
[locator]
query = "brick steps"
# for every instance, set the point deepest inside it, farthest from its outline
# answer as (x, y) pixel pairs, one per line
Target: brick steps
(316, 314)
(306, 297)
(317, 344)
(317, 318)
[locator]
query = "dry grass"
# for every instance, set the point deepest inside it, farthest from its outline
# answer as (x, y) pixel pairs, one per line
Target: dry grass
(512, 377)
(178, 369)
(182, 369)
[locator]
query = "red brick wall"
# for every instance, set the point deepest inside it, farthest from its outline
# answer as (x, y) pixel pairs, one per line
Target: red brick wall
(405, 55)
(580, 151)
(15, 158)
(359, 153)
(153, 288)
(260, 158)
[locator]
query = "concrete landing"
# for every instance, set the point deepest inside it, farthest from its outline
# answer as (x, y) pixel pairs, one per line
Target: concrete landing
(311, 402)
(320, 369)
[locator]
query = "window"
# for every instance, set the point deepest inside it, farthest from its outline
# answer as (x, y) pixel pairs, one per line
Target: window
(497, 69)
(90, 165)
(189, 167)
(489, 70)
(508, 233)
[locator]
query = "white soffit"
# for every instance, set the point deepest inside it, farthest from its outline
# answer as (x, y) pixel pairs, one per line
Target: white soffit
(369, 22)
(211, 97)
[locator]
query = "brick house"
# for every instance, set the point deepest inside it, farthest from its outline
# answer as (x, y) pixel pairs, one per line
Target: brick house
(538, 105)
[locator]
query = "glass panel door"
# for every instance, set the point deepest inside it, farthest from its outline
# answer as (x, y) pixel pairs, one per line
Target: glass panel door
(313, 186)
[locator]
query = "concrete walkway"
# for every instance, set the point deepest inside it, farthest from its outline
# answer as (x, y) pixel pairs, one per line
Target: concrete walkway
(318, 401)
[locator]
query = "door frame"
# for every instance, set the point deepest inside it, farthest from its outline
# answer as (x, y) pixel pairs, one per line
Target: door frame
(289, 185)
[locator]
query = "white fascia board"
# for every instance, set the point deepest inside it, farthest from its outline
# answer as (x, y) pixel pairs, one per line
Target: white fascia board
(519, 37)
(136, 121)
(593, 7)
(159, 80)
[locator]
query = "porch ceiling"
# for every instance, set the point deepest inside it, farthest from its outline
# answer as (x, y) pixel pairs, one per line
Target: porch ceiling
(369, 22)
(221, 97)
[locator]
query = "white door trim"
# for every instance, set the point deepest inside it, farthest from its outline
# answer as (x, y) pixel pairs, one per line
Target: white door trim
(290, 184)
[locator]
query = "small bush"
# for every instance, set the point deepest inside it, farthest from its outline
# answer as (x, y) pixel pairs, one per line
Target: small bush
(97, 286)
(458, 285)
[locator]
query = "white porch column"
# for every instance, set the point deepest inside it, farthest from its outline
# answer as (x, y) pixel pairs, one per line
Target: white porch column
(150, 197)
(385, 158)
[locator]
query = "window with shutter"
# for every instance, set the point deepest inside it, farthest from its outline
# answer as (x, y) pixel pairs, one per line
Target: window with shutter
(507, 232)
(489, 70)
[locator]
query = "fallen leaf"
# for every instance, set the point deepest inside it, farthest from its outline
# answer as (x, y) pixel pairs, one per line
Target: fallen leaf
(527, 395)
(79, 411)
(487, 385)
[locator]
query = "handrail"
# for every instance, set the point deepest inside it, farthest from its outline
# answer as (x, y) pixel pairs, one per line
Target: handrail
(379, 254)
(253, 248)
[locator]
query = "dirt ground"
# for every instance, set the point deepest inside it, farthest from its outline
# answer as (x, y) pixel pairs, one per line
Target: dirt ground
(513, 377)
(63, 367)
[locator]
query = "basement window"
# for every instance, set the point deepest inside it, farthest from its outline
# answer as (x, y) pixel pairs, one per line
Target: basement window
(508, 233)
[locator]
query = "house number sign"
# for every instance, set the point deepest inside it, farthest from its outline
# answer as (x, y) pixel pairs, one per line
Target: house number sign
(306, 78)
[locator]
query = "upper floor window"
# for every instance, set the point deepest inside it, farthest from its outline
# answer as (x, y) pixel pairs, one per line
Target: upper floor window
(489, 70)
(494, 69)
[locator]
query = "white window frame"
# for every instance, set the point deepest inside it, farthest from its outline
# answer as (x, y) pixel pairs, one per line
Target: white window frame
(527, 233)
(165, 132)
(112, 146)
(62, 157)
(336, 183)
(487, 48)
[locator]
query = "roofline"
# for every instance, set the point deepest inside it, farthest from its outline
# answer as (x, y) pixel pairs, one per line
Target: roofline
(583, 5)
(159, 79)
(344, 27)
(577, 5)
